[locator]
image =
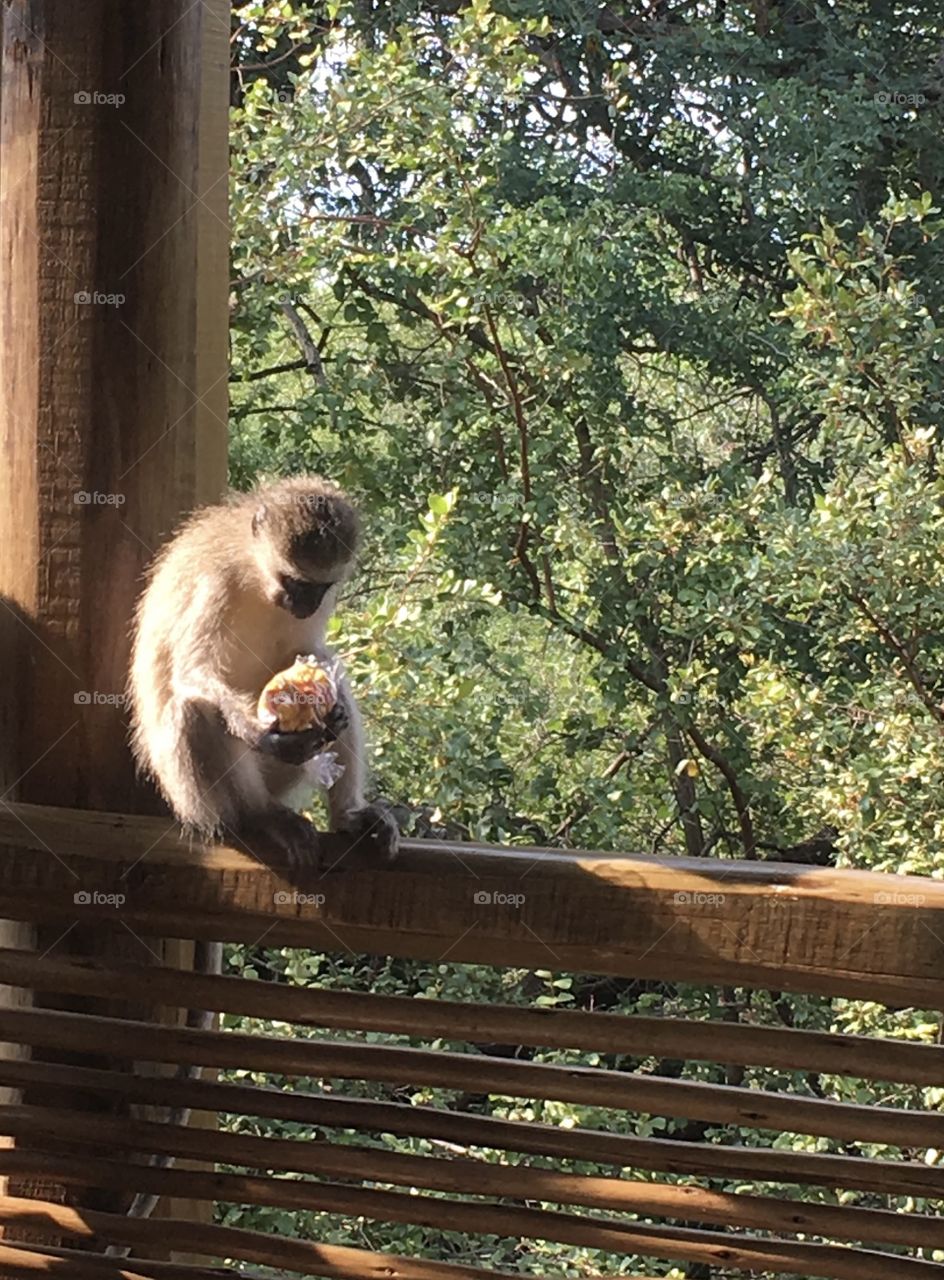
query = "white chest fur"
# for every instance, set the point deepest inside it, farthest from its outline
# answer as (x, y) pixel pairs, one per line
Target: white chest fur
(262, 639)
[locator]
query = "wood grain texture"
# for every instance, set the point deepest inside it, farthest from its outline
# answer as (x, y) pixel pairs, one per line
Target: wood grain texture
(325, 1110)
(747, 924)
(113, 318)
(777, 1111)
(787, 1049)
(70, 1264)
(113, 244)
(458, 1176)
(332, 1262)
(670, 1243)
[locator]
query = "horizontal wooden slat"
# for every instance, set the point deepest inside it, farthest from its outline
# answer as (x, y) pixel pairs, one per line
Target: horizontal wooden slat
(457, 1176)
(327, 1261)
(25, 1261)
(111, 1267)
(748, 924)
(661, 1155)
(677, 1244)
(721, 1042)
(721, 1104)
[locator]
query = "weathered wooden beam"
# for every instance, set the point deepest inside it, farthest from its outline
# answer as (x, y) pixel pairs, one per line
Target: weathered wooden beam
(113, 279)
(113, 361)
(763, 925)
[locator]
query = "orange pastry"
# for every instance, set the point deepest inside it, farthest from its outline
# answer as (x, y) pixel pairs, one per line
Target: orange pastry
(299, 698)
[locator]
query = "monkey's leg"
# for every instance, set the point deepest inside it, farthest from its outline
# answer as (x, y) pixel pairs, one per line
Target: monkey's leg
(278, 837)
(230, 795)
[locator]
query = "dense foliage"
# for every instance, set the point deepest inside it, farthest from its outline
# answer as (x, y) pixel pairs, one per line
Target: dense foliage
(622, 321)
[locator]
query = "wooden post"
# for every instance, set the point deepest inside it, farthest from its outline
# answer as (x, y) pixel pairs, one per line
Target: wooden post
(113, 360)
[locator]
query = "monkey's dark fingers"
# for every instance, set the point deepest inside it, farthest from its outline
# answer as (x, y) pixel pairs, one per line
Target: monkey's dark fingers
(336, 721)
(293, 748)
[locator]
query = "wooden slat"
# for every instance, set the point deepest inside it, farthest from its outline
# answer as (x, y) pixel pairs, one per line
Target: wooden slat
(662, 1155)
(781, 1048)
(749, 924)
(457, 1176)
(331, 1262)
(58, 1261)
(188, 1271)
(29, 1262)
(676, 1244)
(721, 1104)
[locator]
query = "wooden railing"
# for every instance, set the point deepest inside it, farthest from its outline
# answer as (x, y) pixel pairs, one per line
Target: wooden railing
(759, 925)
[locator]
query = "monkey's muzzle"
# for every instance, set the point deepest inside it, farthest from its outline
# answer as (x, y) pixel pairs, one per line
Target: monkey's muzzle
(302, 599)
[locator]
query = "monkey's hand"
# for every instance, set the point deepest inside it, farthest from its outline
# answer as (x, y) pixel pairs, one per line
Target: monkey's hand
(375, 837)
(294, 748)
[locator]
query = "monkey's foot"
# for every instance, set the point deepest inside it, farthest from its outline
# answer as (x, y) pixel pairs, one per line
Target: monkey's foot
(373, 834)
(282, 839)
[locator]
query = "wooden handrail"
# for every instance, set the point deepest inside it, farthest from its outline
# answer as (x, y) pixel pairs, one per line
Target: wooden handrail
(768, 925)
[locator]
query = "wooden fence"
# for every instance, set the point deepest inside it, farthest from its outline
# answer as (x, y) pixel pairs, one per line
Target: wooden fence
(75, 1115)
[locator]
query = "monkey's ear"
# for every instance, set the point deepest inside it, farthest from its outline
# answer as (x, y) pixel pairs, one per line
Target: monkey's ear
(259, 518)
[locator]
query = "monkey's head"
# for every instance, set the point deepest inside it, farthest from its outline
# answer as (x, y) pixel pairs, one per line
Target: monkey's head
(305, 533)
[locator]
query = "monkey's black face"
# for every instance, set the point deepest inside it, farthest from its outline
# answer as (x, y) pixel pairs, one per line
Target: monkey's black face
(300, 597)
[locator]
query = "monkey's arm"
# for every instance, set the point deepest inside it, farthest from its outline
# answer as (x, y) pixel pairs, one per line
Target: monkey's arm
(235, 709)
(375, 833)
(241, 721)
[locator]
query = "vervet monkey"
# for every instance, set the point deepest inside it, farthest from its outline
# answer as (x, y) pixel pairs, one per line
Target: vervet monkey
(240, 591)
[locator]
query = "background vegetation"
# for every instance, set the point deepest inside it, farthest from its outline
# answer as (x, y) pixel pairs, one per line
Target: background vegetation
(622, 321)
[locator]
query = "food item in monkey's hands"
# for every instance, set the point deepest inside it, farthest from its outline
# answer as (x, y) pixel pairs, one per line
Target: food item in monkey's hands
(299, 698)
